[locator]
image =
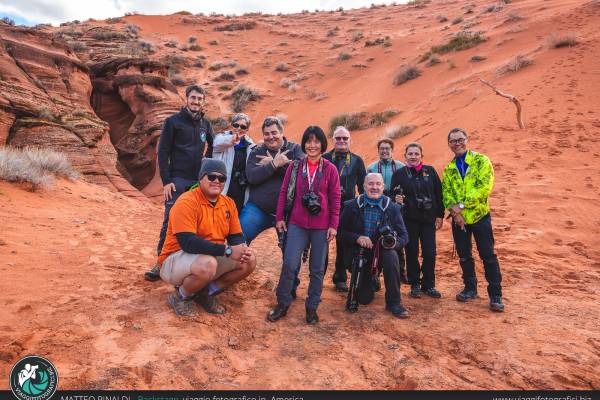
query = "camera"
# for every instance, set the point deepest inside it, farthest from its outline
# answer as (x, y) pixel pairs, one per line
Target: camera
(241, 179)
(388, 237)
(424, 203)
(312, 202)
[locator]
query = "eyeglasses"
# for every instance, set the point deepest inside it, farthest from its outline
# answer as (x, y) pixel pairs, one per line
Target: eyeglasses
(242, 127)
(213, 177)
(457, 141)
(342, 138)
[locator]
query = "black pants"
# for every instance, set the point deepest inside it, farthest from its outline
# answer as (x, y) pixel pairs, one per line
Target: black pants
(422, 233)
(391, 277)
(484, 238)
(340, 274)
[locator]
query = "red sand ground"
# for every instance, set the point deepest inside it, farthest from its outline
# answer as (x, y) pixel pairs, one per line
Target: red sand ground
(72, 257)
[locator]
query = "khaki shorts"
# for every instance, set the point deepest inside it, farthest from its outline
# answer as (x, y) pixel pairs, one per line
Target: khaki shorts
(178, 266)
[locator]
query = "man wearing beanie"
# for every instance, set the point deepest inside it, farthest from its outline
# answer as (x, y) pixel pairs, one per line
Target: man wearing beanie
(204, 251)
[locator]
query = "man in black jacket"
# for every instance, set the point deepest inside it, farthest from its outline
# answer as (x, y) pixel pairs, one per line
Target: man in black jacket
(186, 138)
(265, 169)
(360, 225)
(351, 169)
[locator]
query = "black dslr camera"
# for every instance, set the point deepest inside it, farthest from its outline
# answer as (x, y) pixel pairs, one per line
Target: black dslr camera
(388, 237)
(424, 203)
(312, 202)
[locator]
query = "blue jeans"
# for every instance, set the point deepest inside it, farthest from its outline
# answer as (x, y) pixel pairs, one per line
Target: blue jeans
(297, 240)
(181, 184)
(254, 221)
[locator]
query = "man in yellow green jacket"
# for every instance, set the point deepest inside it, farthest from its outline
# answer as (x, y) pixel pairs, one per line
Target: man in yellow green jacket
(468, 182)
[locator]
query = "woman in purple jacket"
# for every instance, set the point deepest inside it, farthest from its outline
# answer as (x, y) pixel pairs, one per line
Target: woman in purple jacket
(313, 219)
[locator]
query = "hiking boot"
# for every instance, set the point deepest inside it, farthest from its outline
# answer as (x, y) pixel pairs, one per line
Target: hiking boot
(466, 295)
(398, 311)
(341, 287)
(432, 292)
(182, 307)
(277, 313)
(154, 274)
(311, 316)
(210, 303)
(496, 304)
(415, 291)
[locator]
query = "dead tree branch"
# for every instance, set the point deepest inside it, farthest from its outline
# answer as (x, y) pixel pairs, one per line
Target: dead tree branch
(511, 98)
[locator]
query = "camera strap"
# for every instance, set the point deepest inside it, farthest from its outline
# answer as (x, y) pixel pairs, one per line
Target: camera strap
(317, 173)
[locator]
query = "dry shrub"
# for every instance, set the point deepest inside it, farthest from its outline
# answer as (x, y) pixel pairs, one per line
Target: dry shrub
(380, 118)
(433, 60)
(396, 131)
(236, 26)
(461, 41)
(344, 56)
(285, 82)
(352, 121)
(293, 87)
(33, 165)
(217, 65)
(406, 73)
(518, 63)
(241, 96)
(477, 58)
(356, 36)
(225, 76)
(282, 67)
(557, 41)
(241, 71)
(457, 20)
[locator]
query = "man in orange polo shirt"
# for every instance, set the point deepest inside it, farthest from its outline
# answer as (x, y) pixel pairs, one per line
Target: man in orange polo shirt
(205, 250)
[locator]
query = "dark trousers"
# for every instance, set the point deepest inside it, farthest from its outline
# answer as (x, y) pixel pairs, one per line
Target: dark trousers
(423, 234)
(340, 274)
(389, 263)
(181, 185)
(484, 239)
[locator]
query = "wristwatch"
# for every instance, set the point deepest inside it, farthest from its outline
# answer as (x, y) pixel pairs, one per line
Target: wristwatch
(228, 251)
(461, 205)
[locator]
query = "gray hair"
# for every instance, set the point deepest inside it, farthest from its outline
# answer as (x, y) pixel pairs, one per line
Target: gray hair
(241, 116)
(377, 174)
(341, 128)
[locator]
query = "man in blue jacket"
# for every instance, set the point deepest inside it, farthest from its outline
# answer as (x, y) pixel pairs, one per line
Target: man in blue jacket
(186, 138)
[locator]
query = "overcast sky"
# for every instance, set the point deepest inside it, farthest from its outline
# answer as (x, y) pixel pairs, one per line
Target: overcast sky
(30, 12)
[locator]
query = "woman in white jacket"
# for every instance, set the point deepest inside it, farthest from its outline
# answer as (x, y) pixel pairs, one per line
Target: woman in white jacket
(232, 148)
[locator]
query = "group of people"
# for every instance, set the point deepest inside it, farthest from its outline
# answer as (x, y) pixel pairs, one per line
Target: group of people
(221, 191)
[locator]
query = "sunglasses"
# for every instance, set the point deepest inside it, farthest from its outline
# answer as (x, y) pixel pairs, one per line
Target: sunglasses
(342, 139)
(213, 177)
(236, 125)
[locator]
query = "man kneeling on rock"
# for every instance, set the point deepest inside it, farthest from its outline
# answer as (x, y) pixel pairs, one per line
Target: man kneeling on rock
(205, 250)
(371, 226)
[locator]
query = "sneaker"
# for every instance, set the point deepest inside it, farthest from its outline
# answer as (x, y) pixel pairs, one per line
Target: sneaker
(182, 307)
(432, 292)
(153, 275)
(311, 316)
(341, 287)
(496, 304)
(209, 303)
(398, 311)
(466, 295)
(277, 313)
(415, 291)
